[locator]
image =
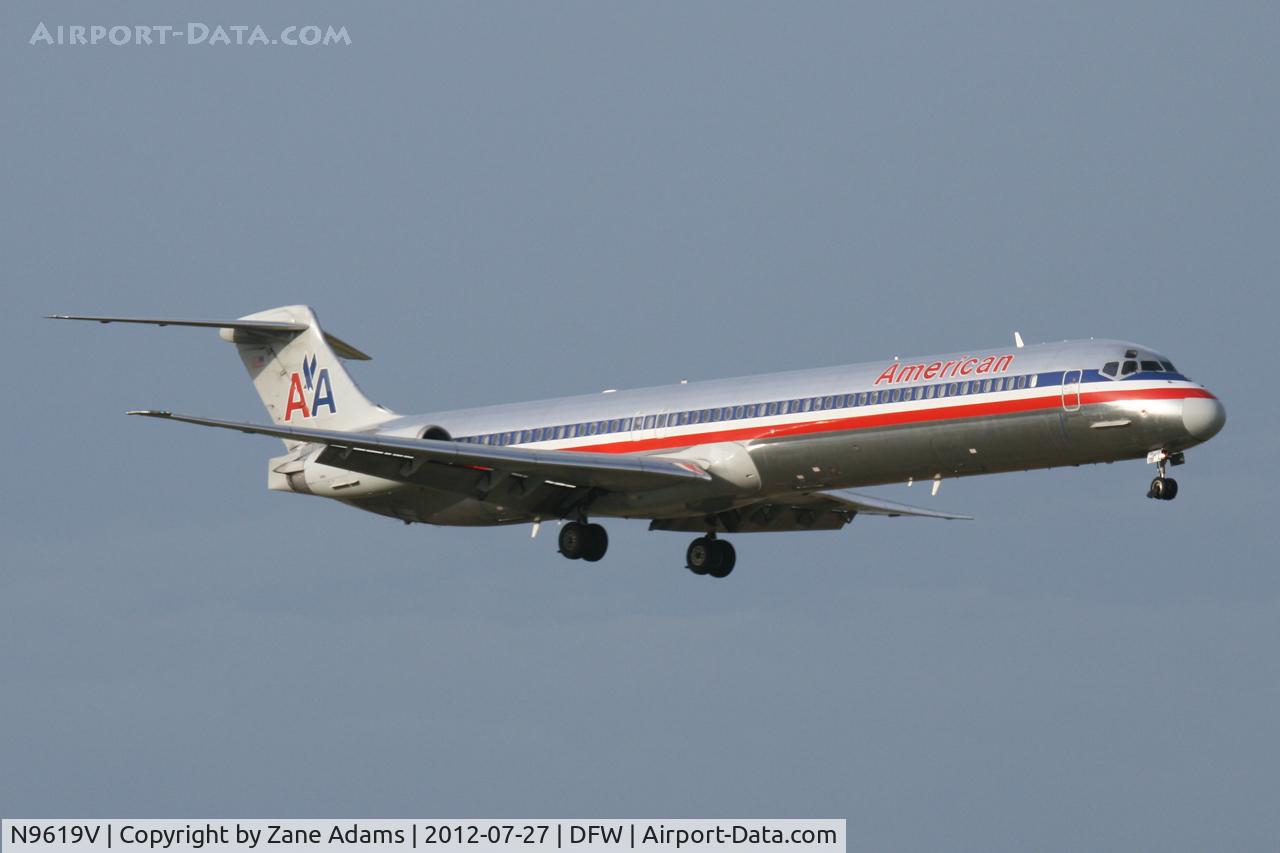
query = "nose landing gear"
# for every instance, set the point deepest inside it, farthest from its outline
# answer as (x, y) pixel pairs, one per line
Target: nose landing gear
(1164, 488)
(708, 555)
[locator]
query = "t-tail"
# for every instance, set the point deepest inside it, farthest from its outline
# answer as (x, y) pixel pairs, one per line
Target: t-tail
(295, 366)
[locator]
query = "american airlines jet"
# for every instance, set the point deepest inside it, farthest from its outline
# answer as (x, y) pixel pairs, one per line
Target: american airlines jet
(759, 453)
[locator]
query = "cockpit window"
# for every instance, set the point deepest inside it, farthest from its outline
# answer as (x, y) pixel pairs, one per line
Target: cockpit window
(1111, 367)
(1151, 365)
(1129, 367)
(1168, 365)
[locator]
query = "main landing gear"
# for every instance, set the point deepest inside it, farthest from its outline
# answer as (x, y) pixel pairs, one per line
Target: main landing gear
(1164, 488)
(581, 541)
(708, 555)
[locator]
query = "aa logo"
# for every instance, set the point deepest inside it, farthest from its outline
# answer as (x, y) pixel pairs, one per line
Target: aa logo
(309, 382)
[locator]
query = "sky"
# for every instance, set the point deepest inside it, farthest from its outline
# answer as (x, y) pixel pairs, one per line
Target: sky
(508, 201)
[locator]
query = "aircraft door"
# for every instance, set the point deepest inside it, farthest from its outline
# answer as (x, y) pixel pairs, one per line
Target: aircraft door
(647, 422)
(642, 426)
(1071, 390)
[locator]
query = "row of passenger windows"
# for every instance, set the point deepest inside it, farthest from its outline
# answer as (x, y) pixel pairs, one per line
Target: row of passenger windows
(754, 410)
(1111, 368)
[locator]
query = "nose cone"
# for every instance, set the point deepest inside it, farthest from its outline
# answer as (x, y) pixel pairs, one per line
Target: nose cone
(1203, 417)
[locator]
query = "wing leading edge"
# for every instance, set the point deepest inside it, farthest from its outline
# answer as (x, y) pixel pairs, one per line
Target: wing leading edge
(405, 458)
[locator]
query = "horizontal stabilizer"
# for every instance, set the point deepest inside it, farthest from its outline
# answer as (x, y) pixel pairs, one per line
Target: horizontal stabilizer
(261, 327)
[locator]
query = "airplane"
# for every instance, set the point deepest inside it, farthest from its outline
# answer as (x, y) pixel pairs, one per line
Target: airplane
(775, 452)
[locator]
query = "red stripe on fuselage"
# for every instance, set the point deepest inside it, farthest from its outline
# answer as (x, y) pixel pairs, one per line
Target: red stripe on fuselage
(884, 419)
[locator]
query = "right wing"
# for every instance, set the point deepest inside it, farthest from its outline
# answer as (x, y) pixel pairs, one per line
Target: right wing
(459, 467)
(804, 511)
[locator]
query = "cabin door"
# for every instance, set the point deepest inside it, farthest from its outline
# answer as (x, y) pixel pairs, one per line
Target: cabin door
(642, 426)
(1071, 390)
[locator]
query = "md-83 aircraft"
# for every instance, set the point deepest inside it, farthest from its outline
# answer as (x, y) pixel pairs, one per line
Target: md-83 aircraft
(760, 453)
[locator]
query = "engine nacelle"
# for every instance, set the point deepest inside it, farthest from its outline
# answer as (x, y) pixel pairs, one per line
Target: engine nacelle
(302, 474)
(435, 433)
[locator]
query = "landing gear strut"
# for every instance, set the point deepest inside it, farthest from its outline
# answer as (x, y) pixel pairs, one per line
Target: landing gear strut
(1164, 488)
(580, 541)
(708, 555)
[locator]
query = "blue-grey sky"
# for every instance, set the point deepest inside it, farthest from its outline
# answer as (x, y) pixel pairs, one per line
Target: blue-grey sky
(509, 201)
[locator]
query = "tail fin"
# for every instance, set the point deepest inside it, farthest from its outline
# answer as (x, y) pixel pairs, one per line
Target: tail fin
(298, 374)
(293, 363)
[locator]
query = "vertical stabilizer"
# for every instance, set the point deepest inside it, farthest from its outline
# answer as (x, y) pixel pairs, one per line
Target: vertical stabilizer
(299, 376)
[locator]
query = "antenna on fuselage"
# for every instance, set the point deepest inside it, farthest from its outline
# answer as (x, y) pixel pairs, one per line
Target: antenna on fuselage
(1017, 339)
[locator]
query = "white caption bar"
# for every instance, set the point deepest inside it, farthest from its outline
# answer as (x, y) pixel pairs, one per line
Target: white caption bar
(477, 836)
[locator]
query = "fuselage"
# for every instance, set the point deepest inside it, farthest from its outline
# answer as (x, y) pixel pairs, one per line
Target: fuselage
(887, 421)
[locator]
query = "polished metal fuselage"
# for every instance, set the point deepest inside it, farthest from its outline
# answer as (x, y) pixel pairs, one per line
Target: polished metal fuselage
(1064, 411)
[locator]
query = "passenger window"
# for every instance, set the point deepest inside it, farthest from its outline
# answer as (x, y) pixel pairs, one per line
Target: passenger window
(828, 403)
(988, 385)
(1034, 380)
(1152, 366)
(649, 421)
(662, 420)
(1110, 368)
(1129, 367)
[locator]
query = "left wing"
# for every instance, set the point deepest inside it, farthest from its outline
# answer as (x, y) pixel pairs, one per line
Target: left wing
(809, 511)
(427, 461)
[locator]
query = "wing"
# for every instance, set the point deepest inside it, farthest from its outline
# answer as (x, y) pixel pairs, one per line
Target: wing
(811, 511)
(460, 467)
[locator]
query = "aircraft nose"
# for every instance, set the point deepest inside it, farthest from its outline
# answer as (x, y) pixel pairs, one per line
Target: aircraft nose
(1203, 417)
